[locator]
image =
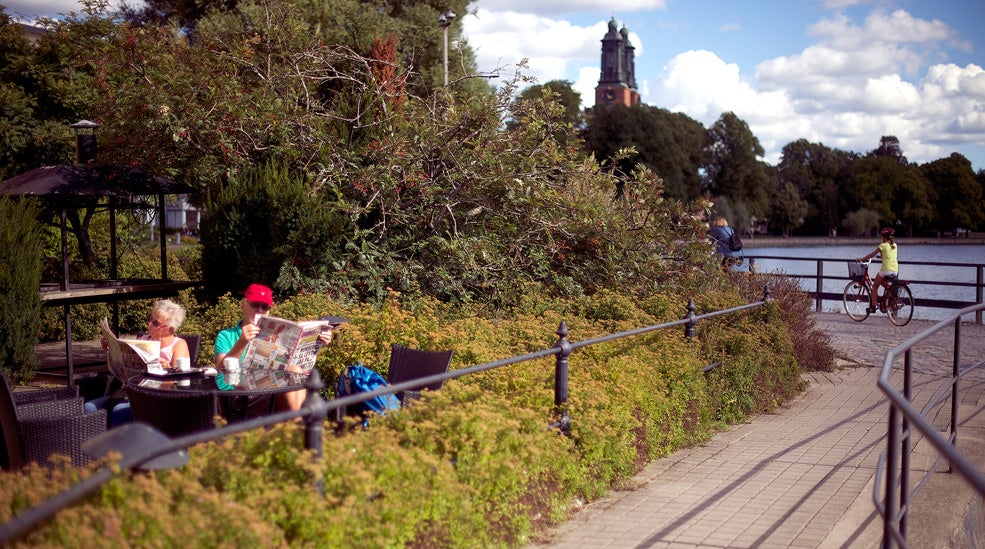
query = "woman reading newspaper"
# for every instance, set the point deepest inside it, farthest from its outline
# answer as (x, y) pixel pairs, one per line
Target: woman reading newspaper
(163, 322)
(233, 341)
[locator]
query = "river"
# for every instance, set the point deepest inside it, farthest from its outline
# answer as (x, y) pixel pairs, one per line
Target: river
(921, 276)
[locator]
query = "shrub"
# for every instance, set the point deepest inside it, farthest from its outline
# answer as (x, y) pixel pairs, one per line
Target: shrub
(20, 278)
(474, 464)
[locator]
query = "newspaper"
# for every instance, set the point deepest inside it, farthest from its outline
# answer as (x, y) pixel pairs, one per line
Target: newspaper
(287, 345)
(143, 354)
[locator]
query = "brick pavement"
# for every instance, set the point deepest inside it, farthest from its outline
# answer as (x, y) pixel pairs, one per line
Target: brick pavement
(800, 477)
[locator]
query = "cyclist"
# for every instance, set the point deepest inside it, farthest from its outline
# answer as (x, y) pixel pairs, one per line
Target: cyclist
(890, 266)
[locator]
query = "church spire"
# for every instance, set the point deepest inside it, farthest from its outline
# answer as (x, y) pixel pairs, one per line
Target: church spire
(617, 81)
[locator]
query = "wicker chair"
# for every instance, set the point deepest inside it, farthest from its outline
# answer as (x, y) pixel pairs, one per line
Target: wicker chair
(42, 395)
(174, 413)
(407, 364)
(32, 432)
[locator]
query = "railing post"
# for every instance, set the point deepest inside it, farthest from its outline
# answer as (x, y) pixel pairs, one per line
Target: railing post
(561, 379)
(892, 476)
(980, 283)
(956, 378)
(818, 296)
(314, 421)
(767, 297)
(906, 438)
(689, 328)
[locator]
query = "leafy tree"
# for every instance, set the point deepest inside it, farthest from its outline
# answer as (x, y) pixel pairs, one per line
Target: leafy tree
(820, 175)
(357, 25)
(561, 92)
(861, 222)
(959, 194)
(889, 147)
(897, 193)
(668, 144)
(263, 227)
(733, 168)
(787, 208)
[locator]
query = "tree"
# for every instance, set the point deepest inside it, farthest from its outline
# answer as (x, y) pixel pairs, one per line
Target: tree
(889, 147)
(20, 277)
(896, 192)
(733, 168)
(669, 144)
(787, 208)
(820, 175)
(561, 92)
(861, 222)
(48, 86)
(959, 194)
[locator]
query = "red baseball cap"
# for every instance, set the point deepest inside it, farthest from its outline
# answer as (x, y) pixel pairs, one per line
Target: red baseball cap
(258, 293)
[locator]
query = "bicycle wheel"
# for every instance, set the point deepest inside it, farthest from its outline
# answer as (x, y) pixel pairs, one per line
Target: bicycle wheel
(856, 300)
(900, 306)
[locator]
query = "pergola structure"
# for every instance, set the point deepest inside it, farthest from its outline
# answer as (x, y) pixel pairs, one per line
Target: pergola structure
(114, 188)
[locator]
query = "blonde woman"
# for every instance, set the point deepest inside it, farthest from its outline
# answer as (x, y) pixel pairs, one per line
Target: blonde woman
(163, 322)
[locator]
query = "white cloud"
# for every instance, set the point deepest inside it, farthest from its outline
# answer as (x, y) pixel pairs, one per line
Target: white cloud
(500, 38)
(557, 7)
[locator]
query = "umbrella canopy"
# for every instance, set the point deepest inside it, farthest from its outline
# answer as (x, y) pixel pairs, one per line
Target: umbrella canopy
(98, 180)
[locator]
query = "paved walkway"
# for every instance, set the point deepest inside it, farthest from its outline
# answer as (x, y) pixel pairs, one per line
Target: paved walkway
(801, 477)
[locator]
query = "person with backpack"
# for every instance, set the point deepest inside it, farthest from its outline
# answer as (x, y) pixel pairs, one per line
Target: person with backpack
(727, 243)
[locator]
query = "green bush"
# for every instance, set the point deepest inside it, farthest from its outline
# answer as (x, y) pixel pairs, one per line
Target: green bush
(472, 465)
(20, 278)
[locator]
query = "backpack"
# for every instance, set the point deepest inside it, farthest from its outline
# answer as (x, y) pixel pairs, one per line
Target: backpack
(357, 378)
(734, 242)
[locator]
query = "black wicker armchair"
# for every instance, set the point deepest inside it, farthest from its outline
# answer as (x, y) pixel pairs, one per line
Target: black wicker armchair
(42, 395)
(34, 431)
(174, 413)
(407, 364)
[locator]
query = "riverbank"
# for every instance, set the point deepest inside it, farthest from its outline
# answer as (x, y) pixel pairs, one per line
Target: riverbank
(797, 241)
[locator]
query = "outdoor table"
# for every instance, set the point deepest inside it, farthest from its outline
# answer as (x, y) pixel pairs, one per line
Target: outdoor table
(235, 391)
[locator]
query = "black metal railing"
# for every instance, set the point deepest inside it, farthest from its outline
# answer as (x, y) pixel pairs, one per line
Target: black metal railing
(840, 273)
(143, 447)
(905, 420)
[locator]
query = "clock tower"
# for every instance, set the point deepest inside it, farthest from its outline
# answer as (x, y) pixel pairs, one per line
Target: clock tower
(617, 83)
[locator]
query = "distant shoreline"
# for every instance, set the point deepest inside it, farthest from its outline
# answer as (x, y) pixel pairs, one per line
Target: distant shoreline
(798, 241)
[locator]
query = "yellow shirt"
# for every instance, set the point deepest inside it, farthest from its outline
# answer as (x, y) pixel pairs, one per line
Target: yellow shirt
(889, 252)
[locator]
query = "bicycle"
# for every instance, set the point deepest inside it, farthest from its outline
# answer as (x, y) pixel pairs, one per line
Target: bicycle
(896, 301)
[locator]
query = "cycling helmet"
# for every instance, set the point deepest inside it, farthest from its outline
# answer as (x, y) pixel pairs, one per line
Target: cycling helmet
(887, 231)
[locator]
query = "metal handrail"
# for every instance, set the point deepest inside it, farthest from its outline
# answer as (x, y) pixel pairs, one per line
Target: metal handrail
(819, 277)
(315, 410)
(905, 420)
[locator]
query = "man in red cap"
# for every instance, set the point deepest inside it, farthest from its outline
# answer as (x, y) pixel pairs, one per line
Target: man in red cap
(257, 301)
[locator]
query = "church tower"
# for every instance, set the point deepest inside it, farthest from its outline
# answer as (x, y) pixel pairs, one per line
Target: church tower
(618, 81)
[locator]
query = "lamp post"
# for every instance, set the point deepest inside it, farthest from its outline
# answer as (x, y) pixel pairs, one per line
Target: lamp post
(445, 20)
(85, 141)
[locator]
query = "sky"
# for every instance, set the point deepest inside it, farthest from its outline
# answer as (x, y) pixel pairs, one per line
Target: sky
(842, 73)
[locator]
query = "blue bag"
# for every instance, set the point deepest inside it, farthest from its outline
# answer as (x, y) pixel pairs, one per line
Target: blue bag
(357, 378)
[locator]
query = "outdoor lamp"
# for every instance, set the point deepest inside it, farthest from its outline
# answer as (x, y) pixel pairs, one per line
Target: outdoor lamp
(85, 141)
(445, 20)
